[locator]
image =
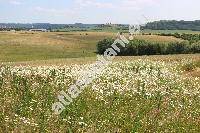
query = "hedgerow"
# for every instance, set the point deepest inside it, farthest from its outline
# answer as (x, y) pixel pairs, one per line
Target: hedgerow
(141, 47)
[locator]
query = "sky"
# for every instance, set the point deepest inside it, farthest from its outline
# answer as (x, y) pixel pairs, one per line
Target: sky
(97, 11)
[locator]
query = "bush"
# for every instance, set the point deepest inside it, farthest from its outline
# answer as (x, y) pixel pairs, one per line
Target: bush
(177, 48)
(195, 47)
(192, 38)
(103, 45)
(142, 47)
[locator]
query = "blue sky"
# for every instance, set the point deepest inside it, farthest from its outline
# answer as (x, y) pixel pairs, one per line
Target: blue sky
(97, 11)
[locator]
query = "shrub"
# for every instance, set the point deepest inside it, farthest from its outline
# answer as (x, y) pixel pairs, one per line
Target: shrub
(177, 48)
(142, 47)
(195, 47)
(103, 45)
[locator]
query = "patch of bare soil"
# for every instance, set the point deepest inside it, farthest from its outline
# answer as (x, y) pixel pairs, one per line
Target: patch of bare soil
(193, 73)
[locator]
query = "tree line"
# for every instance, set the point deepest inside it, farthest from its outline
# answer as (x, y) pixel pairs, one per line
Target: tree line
(173, 25)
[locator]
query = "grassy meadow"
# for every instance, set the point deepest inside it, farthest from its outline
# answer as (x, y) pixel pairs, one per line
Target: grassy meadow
(171, 31)
(158, 93)
(27, 46)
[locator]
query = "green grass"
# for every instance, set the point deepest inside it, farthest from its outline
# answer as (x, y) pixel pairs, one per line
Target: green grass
(31, 53)
(22, 46)
(171, 31)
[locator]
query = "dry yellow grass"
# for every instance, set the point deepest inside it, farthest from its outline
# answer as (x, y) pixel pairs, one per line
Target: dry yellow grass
(155, 38)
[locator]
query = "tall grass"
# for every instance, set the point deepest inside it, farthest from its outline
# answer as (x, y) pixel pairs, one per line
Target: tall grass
(128, 96)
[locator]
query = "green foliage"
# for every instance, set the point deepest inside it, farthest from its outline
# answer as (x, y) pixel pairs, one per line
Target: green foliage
(142, 47)
(107, 43)
(192, 38)
(195, 47)
(173, 25)
(177, 48)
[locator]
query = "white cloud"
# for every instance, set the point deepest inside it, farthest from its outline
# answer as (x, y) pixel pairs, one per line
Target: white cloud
(93, 3)
(55, 12)
(117, 5)
(15, 2)
(121, 11)
(137, 4)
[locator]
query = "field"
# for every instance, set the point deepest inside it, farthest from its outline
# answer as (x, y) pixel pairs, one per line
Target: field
(158, 93)
(24, 46)
(27, 46)
(171, 31)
